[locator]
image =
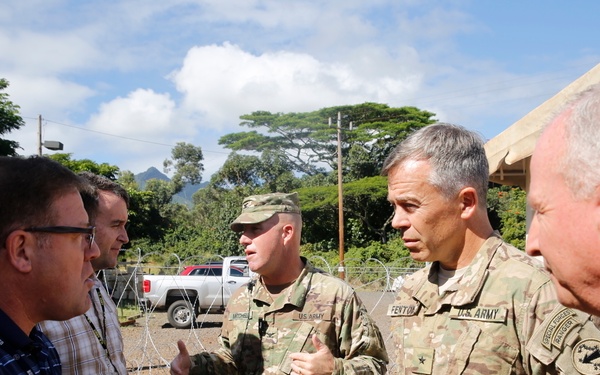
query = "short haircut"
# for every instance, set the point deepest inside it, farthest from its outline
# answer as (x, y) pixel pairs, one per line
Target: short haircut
(91, 203)
(105, 184)
(456, 155)
(28, 189)
(580, 164)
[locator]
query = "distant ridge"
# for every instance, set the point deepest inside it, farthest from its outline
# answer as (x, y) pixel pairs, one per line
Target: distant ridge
(183, 197)
(149, 174)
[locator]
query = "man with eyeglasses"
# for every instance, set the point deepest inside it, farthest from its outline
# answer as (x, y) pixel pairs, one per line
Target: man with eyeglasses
(46, 249)
(92, 343)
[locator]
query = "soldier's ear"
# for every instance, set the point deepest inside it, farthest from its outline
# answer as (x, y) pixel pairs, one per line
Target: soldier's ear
(287, 231)
(468, 201)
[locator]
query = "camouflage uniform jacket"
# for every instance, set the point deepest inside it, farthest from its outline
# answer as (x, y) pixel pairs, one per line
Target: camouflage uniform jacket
(259, 333)
(501, 317)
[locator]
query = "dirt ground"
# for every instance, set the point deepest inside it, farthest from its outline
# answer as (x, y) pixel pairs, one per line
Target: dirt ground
(150, 343)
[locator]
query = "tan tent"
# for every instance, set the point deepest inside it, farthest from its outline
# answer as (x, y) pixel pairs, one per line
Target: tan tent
(509, 152)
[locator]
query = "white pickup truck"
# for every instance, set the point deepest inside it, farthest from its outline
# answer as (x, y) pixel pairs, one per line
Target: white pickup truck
(198, 288)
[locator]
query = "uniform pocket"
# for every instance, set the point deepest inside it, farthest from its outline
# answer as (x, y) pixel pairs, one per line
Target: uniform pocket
(297, 341)
(480, 352)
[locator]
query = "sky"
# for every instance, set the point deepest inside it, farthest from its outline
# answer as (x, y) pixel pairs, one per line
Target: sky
(123, 81)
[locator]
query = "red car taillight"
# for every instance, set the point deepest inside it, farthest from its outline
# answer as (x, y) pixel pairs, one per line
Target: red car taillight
(146, 286)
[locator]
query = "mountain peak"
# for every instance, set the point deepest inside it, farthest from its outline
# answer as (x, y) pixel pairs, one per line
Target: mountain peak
(184, 197)
(149, 174)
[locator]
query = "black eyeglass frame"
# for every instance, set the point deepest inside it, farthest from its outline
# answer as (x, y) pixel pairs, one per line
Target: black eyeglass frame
(90, 231)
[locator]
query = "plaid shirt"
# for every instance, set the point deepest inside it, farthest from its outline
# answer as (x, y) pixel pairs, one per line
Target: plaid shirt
(21, 355)
(81, 351)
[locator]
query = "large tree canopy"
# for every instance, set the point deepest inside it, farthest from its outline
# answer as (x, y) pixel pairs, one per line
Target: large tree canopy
(9, 121)
(310, 143)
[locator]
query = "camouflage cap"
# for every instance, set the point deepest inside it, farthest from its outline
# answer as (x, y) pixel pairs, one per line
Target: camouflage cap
(258, 208)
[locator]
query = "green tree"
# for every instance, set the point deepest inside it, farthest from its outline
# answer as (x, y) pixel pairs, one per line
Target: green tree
(238, 170)
(310, 144)
(214, 209)
(507, 211)
(187, 161)
(162, 192)
(127, 180)
(368, 210)
(102, 169)
(146, 225)
(270, 172)
(276, 173)
(9, 120)
(367, 213)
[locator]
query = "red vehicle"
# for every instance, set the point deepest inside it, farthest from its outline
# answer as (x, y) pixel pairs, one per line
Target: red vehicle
(215, 269)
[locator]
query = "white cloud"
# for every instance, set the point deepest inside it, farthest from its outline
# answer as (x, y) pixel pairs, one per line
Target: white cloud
(41, 53)
(139, 130)
(223, 82)
(143, 113)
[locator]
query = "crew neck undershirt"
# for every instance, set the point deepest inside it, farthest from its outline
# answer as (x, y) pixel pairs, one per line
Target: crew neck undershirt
(447, 278)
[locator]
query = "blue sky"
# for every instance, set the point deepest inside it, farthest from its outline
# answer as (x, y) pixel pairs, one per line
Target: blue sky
(122, 81)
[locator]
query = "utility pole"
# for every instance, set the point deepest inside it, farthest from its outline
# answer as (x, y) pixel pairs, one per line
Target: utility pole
(39, 135)
(50, 145)
(341, 268)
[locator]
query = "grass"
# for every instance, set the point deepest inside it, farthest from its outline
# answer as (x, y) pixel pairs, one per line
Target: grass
(128, 313)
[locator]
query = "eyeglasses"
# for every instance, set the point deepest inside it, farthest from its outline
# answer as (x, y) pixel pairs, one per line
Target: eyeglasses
(90, 231)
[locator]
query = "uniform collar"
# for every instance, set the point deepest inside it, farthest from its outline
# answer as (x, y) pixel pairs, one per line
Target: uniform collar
(295, 294)
(467, 288)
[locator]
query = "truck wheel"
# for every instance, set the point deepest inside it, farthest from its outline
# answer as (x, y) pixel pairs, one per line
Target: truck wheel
(181, 314)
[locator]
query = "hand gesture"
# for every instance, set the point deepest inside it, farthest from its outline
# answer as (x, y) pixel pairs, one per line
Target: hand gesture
(319, 363)
(182, 363)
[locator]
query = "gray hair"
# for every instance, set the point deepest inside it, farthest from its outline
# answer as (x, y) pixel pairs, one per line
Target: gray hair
(580, 165)
(456, 155)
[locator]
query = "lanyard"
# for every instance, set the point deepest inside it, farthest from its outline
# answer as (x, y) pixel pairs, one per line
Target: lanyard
(101, 338)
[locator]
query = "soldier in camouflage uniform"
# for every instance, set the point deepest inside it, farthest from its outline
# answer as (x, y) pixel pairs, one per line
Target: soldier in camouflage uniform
(482, 306)
(292, 318)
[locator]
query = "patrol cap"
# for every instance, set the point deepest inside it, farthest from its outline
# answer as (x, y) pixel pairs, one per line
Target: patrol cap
(258, 208)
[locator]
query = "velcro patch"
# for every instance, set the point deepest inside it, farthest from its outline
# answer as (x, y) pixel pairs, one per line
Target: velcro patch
(562, 331)
(314, 316)
(423, 360)
(402, 310)
(586, 357)
(554, 324)
(480, 313)
(240, 315)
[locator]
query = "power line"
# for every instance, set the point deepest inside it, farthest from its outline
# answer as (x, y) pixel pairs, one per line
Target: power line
(117, 136)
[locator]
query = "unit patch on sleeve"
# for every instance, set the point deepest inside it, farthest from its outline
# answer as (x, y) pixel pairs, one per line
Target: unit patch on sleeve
(586, 357)
(552, 328)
